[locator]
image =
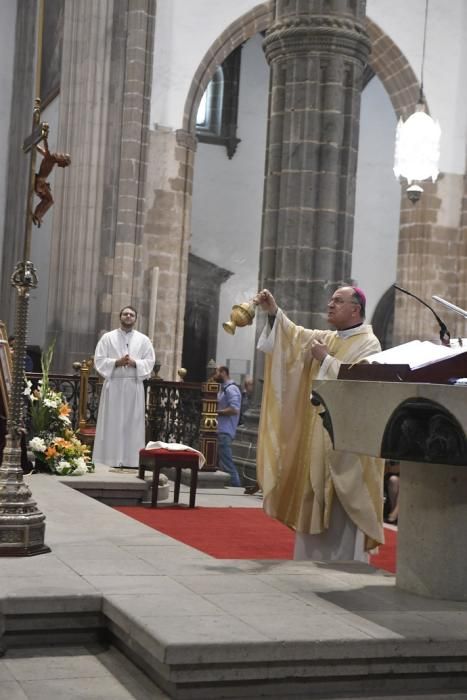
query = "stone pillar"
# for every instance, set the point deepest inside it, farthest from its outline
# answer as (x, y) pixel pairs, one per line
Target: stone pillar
(97, 226)
(317, 52)
(77, 212)
(18, 164)
(167, 232)
(130, 279)
(432, 512)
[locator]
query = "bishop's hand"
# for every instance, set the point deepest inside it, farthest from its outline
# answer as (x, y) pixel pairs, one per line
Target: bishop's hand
(319, 350)
(266, 302)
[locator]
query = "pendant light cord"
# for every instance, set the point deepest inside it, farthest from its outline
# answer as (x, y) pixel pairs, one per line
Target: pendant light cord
(421, 98)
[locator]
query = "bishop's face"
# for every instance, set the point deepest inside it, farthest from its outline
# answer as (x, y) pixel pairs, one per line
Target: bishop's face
(127, 319)
(343, 310)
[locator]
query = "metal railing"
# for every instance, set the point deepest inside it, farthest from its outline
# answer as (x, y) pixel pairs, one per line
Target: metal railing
(68, 385)
(180, 412)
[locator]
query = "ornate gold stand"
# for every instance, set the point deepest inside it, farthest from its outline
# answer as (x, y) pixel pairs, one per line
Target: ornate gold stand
(22, 525)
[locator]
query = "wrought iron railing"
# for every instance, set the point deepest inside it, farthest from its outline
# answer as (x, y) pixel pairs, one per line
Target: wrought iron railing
(68, 385)
(175, 411)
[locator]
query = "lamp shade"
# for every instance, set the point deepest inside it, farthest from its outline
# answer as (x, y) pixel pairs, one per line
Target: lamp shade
(417, 147)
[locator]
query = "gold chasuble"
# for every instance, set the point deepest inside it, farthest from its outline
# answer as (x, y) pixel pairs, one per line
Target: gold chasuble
(298, 469)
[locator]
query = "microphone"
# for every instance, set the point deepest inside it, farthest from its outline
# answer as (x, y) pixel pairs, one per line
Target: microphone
(451, 307)
(444, 334)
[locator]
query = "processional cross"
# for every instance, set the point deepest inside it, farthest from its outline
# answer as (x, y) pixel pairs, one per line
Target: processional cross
(22, 525)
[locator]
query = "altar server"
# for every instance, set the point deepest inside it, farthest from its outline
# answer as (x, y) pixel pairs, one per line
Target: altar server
(124, 358)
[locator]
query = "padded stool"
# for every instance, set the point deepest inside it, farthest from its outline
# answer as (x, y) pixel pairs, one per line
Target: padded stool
(160, 458)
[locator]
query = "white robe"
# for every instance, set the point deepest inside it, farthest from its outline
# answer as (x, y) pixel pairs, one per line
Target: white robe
(331, 499)
(120, 429)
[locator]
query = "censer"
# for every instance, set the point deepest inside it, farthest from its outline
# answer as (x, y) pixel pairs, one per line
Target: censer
(241, 315)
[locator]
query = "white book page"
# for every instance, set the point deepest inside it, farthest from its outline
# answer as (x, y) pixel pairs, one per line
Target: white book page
(416, 353)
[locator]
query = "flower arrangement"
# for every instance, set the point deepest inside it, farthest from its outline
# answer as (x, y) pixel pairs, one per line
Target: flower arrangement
(55, 445)
(62, 455)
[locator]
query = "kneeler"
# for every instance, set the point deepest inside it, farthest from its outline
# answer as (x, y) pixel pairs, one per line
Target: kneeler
(157, 458)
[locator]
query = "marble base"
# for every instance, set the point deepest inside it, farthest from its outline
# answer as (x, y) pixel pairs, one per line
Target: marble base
(431, 557)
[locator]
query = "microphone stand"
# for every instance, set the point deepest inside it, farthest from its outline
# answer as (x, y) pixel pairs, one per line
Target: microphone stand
(444, 334)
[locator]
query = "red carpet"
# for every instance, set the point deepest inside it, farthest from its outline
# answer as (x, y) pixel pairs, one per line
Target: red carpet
(386, 557)
(235, 533)
(224, 533)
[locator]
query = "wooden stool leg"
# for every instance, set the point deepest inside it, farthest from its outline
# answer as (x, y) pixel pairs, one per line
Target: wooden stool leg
(178, 479)
(155, 484)
(193, 485)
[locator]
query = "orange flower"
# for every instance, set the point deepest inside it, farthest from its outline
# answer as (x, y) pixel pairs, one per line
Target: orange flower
(64, 410)
(50, 452)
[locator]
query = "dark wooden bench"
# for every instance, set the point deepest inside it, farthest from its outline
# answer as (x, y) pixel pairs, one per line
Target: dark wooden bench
(160, 458)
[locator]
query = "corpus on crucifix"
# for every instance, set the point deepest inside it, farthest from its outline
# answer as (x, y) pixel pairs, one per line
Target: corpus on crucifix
(41, 186)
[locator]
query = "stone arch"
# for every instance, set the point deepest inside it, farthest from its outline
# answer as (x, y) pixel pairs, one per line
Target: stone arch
(402, 86)
(393, 69)
(422, 430)
(256, 20)
(386, 60)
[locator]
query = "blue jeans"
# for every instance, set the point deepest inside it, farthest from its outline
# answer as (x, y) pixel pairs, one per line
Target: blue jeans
(226, 463)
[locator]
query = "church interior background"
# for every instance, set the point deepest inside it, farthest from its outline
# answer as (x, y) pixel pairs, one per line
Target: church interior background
(169, 112)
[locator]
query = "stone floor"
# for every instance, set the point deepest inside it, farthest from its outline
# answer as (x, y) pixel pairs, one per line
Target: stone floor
(208, 628)
(95, 673)
(73, 673)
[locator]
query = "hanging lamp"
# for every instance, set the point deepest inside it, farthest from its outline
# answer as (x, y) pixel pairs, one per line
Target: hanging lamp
(417, 149)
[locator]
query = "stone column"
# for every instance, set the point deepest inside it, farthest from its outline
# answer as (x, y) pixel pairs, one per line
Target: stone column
(167, 232)
(18, 164)
(130, 278)
(77, 212)
(317, 52)
(97, 226)
(432, 513)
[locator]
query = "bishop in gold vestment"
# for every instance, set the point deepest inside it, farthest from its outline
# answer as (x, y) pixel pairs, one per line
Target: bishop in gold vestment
(333, 500)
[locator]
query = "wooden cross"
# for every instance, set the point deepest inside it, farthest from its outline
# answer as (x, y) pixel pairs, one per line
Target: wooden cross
(40, 129)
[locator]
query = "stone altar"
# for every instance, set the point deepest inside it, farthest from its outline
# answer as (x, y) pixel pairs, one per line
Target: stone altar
(424, 427)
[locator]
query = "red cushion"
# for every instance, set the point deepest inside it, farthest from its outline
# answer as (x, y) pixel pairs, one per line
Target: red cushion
(87, 431)
(175, 455)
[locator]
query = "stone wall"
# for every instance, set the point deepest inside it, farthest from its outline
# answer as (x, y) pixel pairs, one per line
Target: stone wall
(166, 241)
(431, 260)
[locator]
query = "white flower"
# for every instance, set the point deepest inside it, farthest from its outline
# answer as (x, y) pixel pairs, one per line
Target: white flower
(62, 467)
(28, 388)
(81, 467)
(65, 419)
(52, 401)
(37, 444)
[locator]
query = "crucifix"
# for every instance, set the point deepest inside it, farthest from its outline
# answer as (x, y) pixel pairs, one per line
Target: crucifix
(22, 525)
(38, 142)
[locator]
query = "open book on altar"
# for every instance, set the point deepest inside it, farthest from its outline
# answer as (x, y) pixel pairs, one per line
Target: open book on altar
(417, 353)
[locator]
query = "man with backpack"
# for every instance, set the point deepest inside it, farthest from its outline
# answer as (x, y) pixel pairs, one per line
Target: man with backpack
(229, 401)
